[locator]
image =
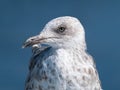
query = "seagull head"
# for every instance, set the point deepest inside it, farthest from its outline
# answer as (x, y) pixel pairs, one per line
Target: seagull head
(60, 32)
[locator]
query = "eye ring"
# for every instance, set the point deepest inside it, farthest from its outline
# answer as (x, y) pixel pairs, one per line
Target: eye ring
(61, 29)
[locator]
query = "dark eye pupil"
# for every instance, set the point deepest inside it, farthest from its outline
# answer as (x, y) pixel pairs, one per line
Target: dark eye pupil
(61, 29)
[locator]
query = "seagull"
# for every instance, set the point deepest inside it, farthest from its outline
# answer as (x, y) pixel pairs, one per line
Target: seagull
(60, 60)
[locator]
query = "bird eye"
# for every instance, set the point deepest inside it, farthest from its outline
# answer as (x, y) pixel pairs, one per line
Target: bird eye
(61, 29)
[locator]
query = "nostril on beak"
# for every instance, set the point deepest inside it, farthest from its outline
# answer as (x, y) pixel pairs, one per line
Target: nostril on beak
(32, 39)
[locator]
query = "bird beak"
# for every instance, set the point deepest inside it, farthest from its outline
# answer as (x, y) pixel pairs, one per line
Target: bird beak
(33, 40)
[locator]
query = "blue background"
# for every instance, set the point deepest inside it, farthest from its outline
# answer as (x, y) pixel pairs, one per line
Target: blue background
(20, 19)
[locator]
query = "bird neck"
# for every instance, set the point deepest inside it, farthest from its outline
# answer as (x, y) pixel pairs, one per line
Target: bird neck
(74, 54)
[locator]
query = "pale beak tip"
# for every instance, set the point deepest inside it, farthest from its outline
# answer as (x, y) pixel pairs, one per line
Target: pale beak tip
(31, 41)
(26, 44)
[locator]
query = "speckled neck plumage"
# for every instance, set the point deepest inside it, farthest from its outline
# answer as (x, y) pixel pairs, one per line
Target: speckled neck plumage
(65, 64)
